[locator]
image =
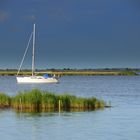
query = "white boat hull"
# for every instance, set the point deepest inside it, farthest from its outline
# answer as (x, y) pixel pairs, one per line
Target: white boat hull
(36, 79)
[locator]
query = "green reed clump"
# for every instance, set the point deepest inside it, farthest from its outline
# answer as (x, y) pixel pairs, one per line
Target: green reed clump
(4, 100)
(49, 101)
(27, 100)
(69, 102)
(65, 101)
(37, 100)
(93, 103)
(77, 103)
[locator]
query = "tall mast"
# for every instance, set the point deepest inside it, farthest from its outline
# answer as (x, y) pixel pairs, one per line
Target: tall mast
(33, 53)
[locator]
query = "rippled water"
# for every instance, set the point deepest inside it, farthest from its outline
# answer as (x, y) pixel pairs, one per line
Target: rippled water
(121, 122)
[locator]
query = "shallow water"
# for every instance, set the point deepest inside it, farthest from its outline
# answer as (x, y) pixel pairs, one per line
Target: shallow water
(121, 122)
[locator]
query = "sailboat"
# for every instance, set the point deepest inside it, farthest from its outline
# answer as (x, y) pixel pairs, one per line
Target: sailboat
(33, 78)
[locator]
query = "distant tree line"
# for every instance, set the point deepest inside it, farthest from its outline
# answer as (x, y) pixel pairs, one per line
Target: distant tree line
(76, 69)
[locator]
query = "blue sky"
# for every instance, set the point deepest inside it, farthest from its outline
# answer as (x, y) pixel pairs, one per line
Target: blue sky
(71, 33)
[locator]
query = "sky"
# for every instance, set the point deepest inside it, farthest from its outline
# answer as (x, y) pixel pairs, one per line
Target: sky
(71, 33)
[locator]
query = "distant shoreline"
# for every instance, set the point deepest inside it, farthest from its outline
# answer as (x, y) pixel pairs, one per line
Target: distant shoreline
(70, 72)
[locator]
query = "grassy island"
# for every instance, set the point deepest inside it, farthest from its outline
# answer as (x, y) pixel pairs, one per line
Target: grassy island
(44, 101)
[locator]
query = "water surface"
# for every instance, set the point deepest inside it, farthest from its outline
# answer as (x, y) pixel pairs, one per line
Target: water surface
(118, 123)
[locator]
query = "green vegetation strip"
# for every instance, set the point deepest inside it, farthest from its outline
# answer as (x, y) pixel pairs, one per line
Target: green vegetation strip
(44, 101)
(71, 72)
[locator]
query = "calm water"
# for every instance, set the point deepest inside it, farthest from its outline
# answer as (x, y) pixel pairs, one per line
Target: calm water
(118, 123)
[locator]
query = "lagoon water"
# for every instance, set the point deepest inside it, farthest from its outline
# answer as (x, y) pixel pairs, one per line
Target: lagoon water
(121, 122)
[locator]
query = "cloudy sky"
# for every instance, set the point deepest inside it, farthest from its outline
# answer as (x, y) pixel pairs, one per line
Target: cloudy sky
(71, 33)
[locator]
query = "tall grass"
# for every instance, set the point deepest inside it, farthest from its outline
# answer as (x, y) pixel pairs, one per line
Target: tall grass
(30, 100)
(4, 100)
(49, 101)
(37, 100)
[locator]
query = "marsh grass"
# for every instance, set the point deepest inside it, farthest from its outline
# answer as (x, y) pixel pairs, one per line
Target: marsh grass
(44, 101)
(4, 100)
(27, 100)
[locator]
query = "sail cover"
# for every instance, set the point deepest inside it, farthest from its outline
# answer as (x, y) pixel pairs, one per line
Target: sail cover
(47, 75)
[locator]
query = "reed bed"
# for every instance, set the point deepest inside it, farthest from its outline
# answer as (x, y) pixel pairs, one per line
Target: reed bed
(44, 101)
(4, 100)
